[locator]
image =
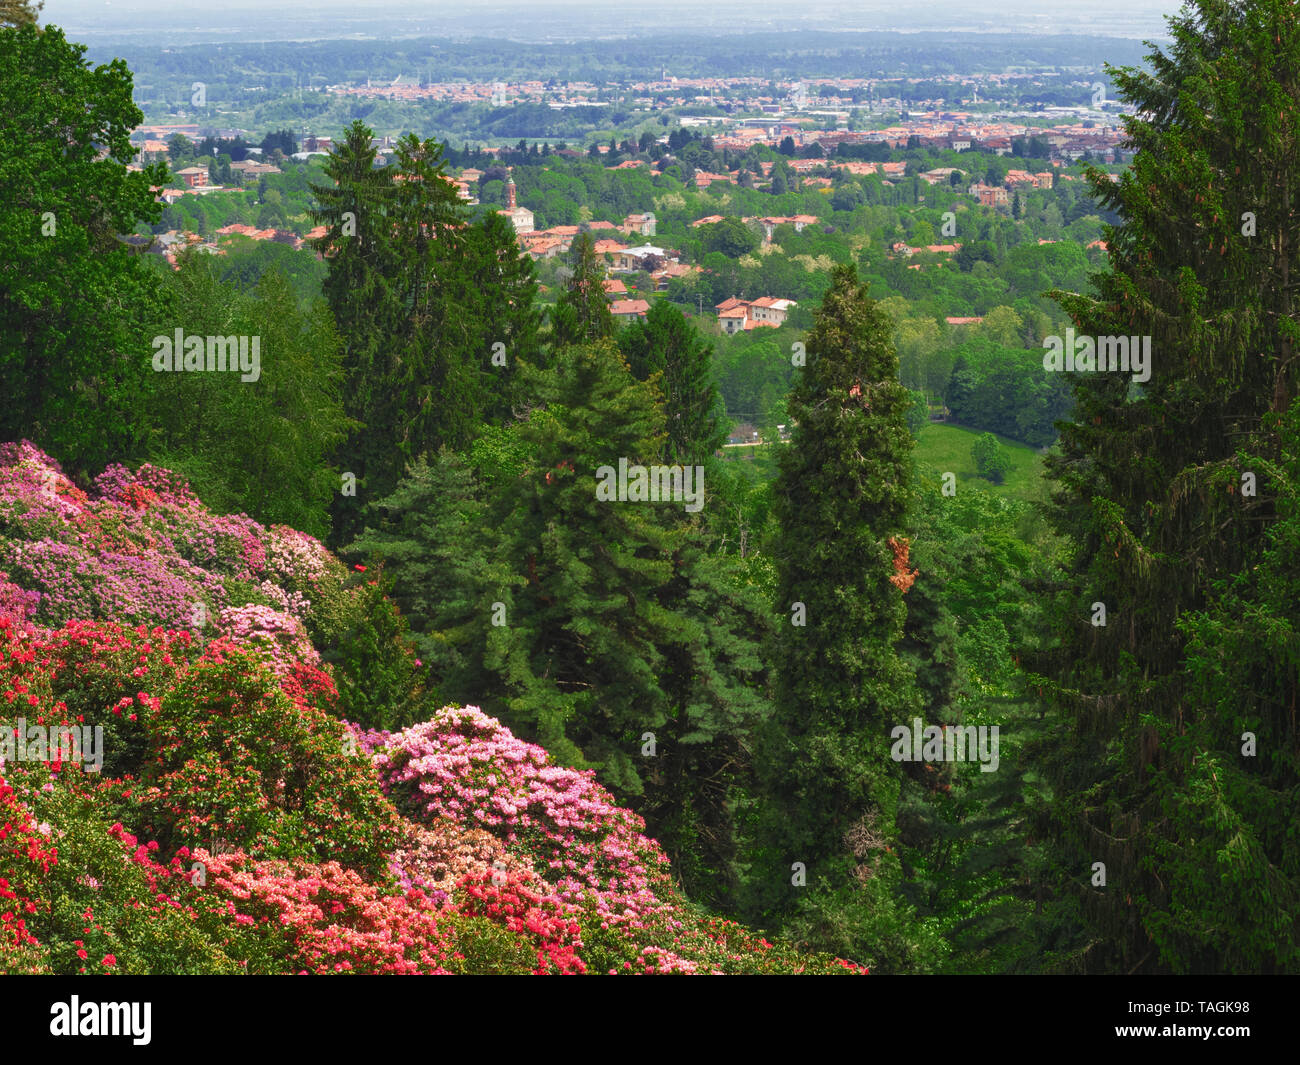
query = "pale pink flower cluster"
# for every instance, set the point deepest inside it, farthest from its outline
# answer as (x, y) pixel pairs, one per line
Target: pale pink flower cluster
(466, 766)
(295, 557)
(279, 633)
(435, 858)
(294, 603)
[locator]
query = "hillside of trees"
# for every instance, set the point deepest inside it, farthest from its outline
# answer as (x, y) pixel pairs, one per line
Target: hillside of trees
(375, 609)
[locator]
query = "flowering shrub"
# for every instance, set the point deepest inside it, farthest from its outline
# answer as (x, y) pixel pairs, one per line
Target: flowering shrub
(26, 855)
(15, 603)
(234, 757)
(238, 825)
(437, 858)
(327, 919)
(211, 745)
(545, 920)
(281, 634)
(468, 767)
(141, 549)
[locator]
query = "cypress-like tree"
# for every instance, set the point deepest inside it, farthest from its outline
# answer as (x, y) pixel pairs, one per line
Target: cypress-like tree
(830, 785)
(1153, 500)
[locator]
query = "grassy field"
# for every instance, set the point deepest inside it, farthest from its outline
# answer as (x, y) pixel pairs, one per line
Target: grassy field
(946, 448)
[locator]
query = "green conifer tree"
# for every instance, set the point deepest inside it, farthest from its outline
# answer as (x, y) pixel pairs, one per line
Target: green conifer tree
(830, 785)
(1151, 500)
(666, 343)
(581, 314)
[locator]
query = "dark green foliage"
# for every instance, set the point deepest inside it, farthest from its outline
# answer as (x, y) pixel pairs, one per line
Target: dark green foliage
(667, 345)
(1005, 391)
(1147, 771)
(841, 684)
(615, 623)
(431, 538)
(578, 654)
(379, 682)
(75, 301)
(504, 286)
(416, 351)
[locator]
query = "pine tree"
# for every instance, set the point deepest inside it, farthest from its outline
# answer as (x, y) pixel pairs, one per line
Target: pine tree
(666, 343)
(841, 685)
(581, 314)
(403, 300)
(579, 654)
(1233, 813)
(1151, 499)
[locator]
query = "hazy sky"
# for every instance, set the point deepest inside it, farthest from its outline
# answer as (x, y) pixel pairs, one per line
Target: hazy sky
(569, 19)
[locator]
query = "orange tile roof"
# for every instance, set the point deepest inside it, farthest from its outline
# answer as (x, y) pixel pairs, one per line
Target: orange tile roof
(629, 307)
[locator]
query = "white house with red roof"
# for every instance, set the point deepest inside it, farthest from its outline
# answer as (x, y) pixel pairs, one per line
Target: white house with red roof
(736, 315)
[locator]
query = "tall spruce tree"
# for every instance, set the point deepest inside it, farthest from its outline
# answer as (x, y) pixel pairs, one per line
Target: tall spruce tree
(504, 282)
(666, 343)
(360, 287)
(615, 622)
(841, 685)
(433, 539)
(400, 289)
(434, 376)
(578, 654)
(1153, 501)
(716, 684)
(581, 314)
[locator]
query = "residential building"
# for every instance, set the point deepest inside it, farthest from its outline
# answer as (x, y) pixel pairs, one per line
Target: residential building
(736, 315)
(195, 177)
(628, 310)
(643, 224)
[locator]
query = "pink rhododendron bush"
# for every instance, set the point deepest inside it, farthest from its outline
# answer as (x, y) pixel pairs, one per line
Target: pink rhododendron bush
(140, 548)
(180, 790)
